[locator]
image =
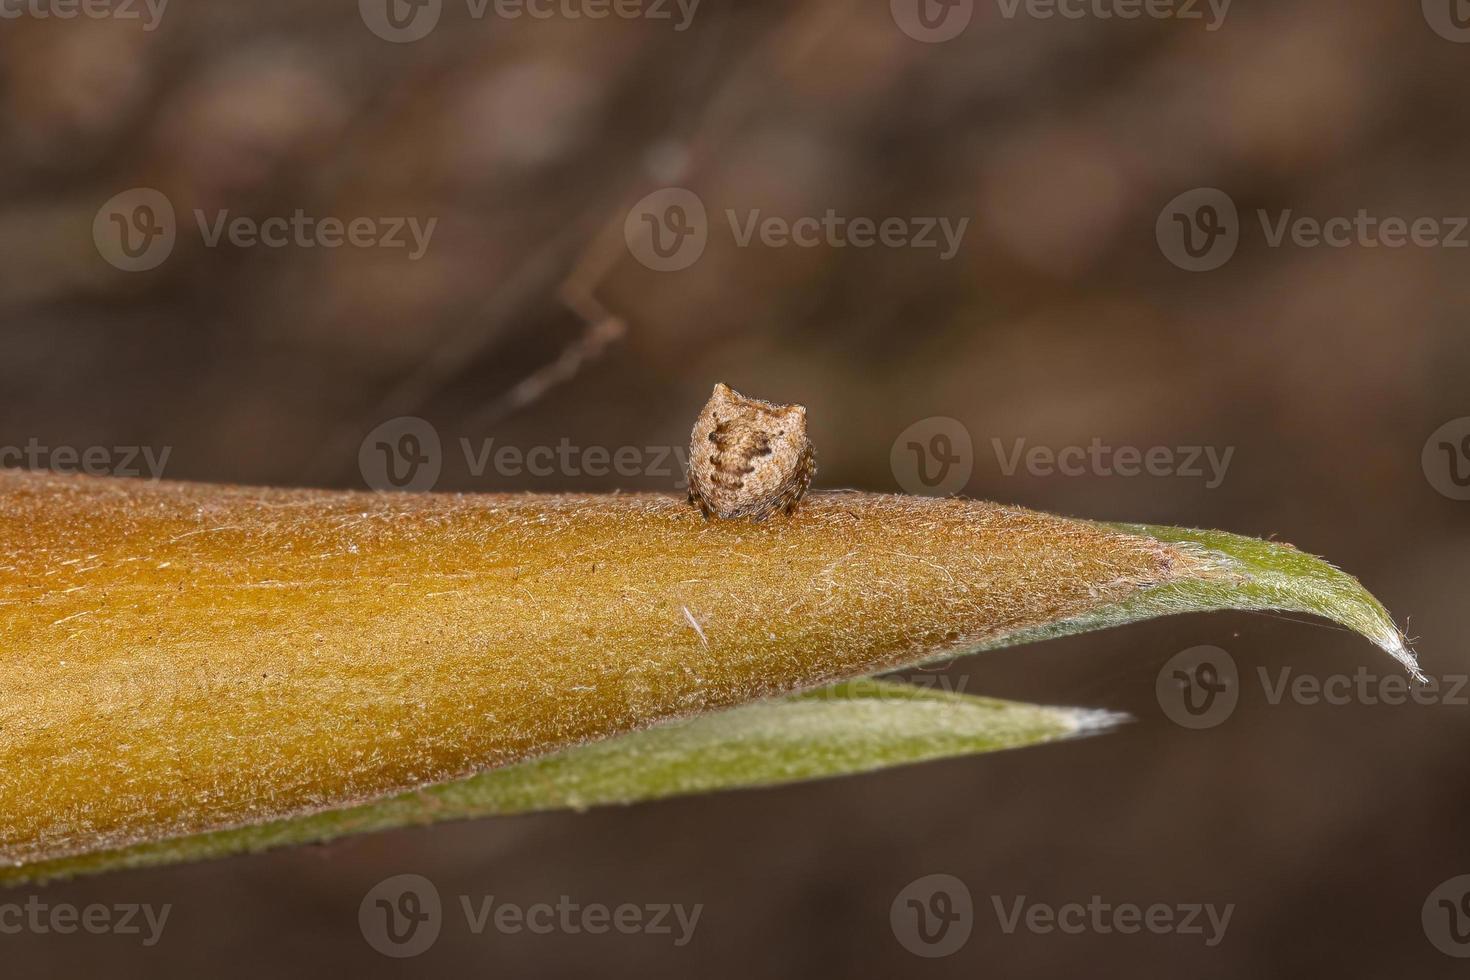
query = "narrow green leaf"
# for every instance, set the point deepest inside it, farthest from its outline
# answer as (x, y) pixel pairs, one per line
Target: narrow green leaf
(858, 726)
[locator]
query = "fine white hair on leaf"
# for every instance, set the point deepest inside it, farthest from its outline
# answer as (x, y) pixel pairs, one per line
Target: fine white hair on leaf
(689, 618)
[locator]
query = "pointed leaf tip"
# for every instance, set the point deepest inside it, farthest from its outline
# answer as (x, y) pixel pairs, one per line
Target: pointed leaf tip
(1249, 573)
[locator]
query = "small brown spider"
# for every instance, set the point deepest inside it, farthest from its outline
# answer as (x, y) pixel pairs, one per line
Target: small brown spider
(748, 458)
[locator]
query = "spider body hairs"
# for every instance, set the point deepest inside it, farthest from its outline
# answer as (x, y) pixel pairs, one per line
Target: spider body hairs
(748, 458)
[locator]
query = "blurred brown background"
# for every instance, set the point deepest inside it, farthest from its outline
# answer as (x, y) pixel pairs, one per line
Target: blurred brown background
(1058, 321)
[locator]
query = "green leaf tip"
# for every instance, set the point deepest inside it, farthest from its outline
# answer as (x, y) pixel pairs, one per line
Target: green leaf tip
(1260, 575)
(1232, 571)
